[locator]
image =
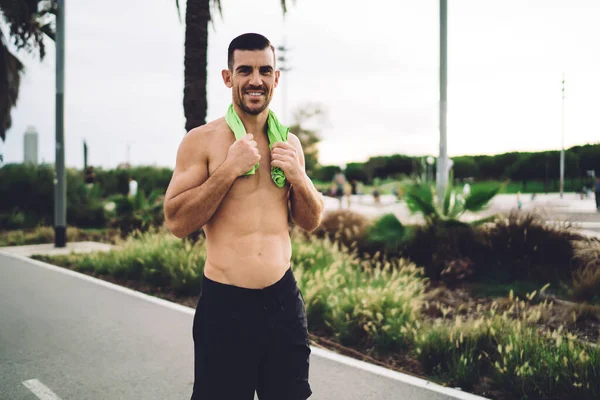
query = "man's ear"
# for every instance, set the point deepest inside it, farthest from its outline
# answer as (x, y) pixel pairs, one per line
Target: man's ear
(227, 78)
(277, 74)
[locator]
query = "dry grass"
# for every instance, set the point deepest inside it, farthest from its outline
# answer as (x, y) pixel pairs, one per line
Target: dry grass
(586, 276)
(343, 226)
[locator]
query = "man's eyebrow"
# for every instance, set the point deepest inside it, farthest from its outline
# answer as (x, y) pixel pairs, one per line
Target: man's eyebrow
(261, 68)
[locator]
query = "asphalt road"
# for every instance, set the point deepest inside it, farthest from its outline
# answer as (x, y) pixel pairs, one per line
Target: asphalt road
(82, 340)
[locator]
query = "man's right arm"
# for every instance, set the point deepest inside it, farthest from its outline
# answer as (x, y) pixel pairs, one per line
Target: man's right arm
(193, 197)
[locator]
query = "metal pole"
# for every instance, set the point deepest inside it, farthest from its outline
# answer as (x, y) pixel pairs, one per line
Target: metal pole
(60, 189)
(442, 161)
(562, 149)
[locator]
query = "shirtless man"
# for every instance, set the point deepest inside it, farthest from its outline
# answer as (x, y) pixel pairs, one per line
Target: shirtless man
(250, 330)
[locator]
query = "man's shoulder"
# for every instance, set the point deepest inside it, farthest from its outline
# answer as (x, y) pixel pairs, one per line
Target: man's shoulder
(208, 130)
(294, 140)
(205, 134)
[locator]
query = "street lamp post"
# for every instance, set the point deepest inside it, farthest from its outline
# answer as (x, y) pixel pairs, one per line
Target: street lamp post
(442, 161)
(562, 149)
(60, 189)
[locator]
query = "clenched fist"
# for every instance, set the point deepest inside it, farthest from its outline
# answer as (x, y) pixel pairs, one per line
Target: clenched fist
(243, 155)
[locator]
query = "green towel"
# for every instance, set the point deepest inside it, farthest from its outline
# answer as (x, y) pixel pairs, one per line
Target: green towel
(276, 132)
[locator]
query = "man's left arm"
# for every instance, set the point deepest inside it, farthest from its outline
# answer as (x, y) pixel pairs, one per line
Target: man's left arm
(306, 203)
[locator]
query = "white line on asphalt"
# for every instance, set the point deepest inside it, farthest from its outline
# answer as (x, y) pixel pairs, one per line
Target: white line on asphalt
(330, 355)
(40, 390)
(394, 375)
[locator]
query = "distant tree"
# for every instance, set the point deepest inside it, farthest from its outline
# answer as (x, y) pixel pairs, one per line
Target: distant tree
(465, 167)
(325, 173)
(309, 114)
(356, 171)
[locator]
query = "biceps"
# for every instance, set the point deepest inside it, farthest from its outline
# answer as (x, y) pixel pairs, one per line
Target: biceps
(184, 180)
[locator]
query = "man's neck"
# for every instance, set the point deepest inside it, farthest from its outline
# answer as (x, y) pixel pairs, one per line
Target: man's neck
(254, 124)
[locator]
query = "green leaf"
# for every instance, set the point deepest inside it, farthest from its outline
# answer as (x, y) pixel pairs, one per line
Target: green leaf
(458, 207)
(388, 230)
(419, 200)
(447, 200)
(480, 197)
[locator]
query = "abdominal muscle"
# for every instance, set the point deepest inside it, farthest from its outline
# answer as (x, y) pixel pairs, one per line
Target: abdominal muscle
(247, 242)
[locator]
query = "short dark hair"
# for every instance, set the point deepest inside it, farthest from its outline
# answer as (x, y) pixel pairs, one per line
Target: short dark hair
(248, 41)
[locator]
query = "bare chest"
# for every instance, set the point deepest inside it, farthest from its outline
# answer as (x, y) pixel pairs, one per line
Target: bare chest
(246, 186)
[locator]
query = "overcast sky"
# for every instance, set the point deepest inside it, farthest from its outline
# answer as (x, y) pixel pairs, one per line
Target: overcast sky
(373, 67)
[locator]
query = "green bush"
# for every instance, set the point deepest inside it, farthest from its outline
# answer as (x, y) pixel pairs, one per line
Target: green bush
(27, 198)
(139, 213)
(27, 193)
(437, 246)
(388, 234)
(29, 190)
(525, 247)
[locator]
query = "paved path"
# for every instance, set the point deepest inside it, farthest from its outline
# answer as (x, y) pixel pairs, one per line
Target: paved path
(66, 336)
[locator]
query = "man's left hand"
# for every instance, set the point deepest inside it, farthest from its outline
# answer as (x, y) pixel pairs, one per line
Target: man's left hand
(285, 156)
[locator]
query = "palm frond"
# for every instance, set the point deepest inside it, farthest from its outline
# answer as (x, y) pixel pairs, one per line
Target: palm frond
(10, 81)
(419, 200)
(447, 199)
(480, 197)
(458, 206)
(217, 5)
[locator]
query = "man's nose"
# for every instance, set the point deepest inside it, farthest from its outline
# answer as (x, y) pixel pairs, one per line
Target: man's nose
(256, 79)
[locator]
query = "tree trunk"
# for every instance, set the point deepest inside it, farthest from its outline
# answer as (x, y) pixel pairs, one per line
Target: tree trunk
(196, 44)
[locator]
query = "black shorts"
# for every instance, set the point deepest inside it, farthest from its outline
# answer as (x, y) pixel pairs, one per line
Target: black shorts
(248, 340)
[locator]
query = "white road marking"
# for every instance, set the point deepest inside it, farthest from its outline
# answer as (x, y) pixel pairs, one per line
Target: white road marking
(40, 390)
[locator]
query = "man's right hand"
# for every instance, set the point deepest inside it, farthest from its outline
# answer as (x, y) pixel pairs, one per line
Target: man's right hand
(243, 155)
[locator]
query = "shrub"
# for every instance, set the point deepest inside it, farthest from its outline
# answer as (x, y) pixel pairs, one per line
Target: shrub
(345, 227)
(439, 248)
(139, 213)
(27, 198)
(586, 276)
(525, 247)
(386, 233)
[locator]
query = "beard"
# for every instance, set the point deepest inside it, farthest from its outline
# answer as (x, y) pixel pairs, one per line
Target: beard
(248, 109)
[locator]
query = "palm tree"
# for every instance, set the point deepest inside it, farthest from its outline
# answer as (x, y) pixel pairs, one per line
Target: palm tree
(419, 199)
(28, 22)
(197, 16)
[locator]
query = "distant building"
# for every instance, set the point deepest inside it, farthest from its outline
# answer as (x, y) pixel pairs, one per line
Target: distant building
(30, 146)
